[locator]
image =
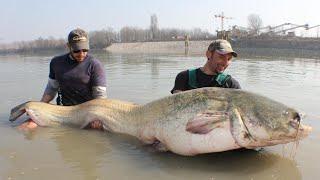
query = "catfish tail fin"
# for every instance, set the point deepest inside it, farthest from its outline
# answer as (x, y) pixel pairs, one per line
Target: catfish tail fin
(17, 111)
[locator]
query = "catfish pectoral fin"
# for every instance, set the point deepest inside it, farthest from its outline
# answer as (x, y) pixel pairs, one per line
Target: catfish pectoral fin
(17, 111)
(205, 122)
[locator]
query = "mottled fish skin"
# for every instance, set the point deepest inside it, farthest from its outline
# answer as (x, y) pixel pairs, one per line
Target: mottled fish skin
(193, 122)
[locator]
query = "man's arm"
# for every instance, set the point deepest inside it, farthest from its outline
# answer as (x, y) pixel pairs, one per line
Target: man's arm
(46, 98)
(181, 82)
(233, 83)
(50, 91)
(99, 92)
(99, 88)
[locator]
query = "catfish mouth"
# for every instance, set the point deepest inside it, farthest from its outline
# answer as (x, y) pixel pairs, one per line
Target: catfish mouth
(298, 131)
(302, 130)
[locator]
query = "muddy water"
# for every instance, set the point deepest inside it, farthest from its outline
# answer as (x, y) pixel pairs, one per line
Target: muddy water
(68, 153)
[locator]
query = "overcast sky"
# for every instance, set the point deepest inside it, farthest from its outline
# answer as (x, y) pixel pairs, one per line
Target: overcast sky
(30, 19)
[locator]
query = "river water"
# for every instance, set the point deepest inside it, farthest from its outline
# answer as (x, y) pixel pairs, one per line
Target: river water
(68, 153)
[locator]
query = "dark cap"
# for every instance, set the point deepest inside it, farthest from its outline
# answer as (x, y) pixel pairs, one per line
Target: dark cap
(78, 39)
(222, 46)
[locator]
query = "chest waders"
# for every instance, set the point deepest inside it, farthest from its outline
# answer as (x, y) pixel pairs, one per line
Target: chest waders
(59, 98)
(221, 78)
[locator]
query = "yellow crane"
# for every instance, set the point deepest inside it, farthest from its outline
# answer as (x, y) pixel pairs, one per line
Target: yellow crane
(222, 34)
(222, 17)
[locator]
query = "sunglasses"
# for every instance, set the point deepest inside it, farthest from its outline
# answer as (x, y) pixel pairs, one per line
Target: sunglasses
(83, 50)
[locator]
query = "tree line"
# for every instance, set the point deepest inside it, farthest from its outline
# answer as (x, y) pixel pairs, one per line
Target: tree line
(101, 39)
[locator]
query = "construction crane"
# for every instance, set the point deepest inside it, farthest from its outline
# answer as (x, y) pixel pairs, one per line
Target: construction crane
(222, 17)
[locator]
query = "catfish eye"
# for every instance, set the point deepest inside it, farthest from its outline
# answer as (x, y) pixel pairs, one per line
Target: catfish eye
(285, 113)
(295, 122)
(296, 117)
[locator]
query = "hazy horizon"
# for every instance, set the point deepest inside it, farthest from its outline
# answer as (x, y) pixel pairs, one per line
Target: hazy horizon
(29, 20)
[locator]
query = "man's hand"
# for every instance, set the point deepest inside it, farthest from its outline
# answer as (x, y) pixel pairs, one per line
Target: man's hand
(96, 124)
(28, 125)
(176, 91)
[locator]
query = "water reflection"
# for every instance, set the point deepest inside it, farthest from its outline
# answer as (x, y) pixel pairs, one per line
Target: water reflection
(83, 151)
(242, 164)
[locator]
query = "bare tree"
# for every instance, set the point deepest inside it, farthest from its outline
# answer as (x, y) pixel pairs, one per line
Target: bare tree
(254, 24)
(103, 38)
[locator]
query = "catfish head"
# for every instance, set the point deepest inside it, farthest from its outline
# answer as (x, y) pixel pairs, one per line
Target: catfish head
(258, 121)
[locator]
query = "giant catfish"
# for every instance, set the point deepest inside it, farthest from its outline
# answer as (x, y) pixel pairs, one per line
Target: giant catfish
(193, 122)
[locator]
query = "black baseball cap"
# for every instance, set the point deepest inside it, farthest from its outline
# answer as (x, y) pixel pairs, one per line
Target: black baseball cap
(78, 39)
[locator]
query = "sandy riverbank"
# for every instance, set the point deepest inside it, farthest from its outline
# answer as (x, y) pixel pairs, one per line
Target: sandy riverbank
(245, 49)
(170, 47)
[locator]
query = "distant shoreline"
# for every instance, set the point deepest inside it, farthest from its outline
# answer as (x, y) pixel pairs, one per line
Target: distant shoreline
(254, 48)
(246, 48)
